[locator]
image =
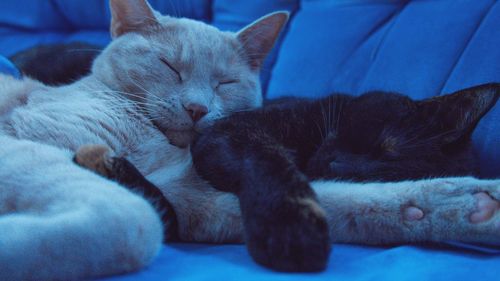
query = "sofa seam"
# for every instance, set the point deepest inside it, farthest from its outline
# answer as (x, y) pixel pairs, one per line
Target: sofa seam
(279, 46)
(465, 48)
(376, 51)
(58, 10)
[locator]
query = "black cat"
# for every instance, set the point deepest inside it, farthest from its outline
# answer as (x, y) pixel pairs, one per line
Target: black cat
(268, 156)
(57, 64)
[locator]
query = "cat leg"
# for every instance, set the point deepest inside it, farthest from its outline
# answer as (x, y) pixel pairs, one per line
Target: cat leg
(285, 227)
(461, 209)
(202, 213)
(208, 215)
(61, 222)
(372, 213)
(97, 158)
(375, 213)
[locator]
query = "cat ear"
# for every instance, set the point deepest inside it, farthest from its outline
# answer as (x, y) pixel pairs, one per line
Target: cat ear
(259, 37)
(457, 114)
(130, 15)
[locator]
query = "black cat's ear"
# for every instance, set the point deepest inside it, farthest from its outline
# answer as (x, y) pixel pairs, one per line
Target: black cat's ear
(130, 15)
(259, 37)
(457, 115)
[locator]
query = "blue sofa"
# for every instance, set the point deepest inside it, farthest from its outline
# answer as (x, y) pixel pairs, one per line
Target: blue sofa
(421, 48)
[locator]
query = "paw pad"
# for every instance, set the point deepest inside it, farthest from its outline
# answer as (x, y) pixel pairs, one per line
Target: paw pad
(413, 214)
(486, 207)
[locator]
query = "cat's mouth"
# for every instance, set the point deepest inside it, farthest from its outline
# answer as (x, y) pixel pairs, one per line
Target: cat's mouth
(180, 138)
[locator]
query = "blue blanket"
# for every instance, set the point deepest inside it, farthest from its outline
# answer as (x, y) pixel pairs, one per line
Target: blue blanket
(186, 262)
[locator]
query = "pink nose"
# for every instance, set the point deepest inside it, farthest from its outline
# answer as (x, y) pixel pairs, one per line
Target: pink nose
(196, 111)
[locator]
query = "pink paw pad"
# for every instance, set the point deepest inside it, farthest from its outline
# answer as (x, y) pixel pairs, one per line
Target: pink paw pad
(486, 206)
(413, 214)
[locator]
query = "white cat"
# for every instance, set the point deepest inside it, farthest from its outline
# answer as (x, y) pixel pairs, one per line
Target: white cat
(159, 82)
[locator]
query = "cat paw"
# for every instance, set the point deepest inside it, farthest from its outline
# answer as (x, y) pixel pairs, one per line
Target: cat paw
(293, 239)
(95, 158)
(464, 209)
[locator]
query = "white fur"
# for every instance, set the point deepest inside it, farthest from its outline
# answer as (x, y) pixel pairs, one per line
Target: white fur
(374, 213)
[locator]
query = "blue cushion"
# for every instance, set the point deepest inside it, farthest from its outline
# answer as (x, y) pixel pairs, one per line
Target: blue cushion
(185, 262)
(31, 22)
(6, 67)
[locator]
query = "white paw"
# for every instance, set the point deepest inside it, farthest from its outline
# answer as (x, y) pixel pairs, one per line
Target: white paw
(463, 209)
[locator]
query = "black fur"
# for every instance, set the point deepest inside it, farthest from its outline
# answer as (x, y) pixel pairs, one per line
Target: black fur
(267, 157)
(57, 64)
(126, 174)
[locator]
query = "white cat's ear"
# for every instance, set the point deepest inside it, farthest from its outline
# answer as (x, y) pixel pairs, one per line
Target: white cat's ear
(130, 15)
(259, 37)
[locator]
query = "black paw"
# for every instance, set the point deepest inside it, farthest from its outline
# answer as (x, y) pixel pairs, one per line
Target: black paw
(295, 238)
(125, 173)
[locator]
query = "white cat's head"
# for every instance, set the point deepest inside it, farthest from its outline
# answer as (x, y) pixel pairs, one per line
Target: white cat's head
(185, 74)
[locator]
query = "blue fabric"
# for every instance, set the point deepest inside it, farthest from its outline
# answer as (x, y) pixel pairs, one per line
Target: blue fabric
(186, 262)
(26, 23)
(421, 48)
(6, 67)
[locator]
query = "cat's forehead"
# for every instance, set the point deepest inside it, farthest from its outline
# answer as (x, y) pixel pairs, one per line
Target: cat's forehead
(189, 40)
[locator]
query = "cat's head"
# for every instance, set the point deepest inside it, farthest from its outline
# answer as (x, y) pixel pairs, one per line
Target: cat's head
(389, 137)
(183, 73)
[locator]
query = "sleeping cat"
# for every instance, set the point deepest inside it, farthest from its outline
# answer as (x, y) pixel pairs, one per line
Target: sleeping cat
(158, 83)
(268, 156)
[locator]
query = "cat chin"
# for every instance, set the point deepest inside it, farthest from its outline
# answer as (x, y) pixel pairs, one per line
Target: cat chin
(180, 138)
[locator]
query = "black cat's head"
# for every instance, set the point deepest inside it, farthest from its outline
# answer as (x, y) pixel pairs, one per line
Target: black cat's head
(389, 137)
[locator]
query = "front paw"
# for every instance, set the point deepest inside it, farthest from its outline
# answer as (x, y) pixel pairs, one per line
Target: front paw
(98, 159)
(95, 158)
(464, 209)
(293, 238)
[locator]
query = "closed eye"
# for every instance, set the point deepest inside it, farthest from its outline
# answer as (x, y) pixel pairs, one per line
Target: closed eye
(228, 82)
(172, 68)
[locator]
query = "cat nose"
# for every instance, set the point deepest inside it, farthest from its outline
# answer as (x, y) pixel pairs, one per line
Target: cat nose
(196, 111)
